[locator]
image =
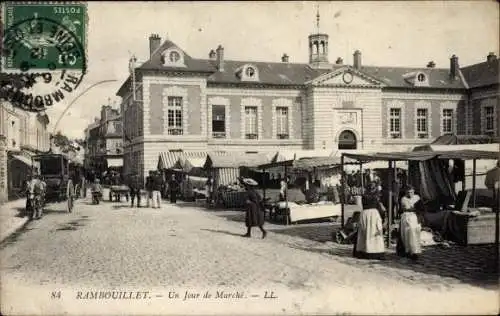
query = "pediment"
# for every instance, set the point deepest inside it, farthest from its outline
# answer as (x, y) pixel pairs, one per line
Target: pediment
(345, 77)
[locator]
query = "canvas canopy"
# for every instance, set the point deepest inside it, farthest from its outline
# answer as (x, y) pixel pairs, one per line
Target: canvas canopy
(424, 155)
(452, 139)
(236, 160)
(168, 159)
(286, 155)
(187, 164)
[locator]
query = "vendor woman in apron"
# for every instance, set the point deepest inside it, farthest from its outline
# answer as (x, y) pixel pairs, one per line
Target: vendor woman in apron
(409, 227)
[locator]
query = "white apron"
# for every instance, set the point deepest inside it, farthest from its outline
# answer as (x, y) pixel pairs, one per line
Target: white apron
(410, 233)
(370, 232)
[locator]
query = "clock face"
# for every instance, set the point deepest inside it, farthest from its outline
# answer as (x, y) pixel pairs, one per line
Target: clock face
(347, 77)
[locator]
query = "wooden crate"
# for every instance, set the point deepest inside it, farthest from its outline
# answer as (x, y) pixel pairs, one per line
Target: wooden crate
(480, 229)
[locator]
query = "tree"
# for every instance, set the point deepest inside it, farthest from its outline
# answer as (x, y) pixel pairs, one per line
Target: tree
(65, 144)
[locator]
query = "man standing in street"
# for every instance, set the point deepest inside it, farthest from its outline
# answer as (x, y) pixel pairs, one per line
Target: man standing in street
(149, 187)
(135, 190)
(156, 190)
(173, 186)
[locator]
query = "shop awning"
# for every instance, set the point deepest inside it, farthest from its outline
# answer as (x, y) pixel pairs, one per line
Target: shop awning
(285, 155)
(168, 159)
(23, 159)
(115, 162)
(236, 160)
(423, 155)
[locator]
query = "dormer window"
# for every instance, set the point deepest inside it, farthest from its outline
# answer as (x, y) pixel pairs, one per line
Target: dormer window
(248, 73)
(417, 79)
(172, 58)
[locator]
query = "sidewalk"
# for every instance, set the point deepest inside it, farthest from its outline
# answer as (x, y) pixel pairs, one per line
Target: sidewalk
(11, 217)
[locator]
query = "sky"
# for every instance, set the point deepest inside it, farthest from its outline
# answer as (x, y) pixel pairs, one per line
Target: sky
(387, 33)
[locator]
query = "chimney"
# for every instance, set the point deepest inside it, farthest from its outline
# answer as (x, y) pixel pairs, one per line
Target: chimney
(284, 58)
(339, 61)
(357, 59)
(491, 57)
(453, 67)
(154, 43)
(220, 58)
(431, 64)
(211, 55)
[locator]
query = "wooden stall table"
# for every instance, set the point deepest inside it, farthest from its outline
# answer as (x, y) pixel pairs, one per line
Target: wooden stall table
(300, 212)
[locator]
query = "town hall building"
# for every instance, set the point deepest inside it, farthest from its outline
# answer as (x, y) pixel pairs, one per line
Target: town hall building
(175, 102)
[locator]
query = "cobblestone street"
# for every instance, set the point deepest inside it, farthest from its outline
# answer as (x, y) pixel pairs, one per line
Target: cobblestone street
(185, 247)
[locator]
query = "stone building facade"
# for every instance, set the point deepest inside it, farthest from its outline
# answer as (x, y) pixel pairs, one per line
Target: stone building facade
(24, 134)
(176, 102)
(103, 141)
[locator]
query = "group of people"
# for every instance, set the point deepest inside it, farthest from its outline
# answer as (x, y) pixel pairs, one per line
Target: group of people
(369, 243)
(35, 189)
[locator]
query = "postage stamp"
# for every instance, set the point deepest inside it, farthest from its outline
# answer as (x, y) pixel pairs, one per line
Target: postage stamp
(45, 44)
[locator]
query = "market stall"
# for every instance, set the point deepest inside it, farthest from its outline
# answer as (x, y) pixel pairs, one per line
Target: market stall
(225, 171)
(314, 177)
(433, 183)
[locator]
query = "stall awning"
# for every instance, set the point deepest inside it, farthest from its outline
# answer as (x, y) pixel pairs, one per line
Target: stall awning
(236, 160)
(168, 159)
(423, 155)
(452, 139)
(115, 162)
(286, 155)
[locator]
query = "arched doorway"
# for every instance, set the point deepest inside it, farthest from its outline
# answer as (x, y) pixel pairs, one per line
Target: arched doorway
(347, 140)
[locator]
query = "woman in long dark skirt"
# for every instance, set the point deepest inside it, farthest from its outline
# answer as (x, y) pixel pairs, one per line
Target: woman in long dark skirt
(254, 213)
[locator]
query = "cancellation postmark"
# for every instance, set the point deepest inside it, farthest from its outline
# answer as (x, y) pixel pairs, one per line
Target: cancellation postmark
(44, 44)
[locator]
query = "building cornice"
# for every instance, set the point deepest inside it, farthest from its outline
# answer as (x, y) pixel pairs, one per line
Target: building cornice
(252, 85)
(402, 95)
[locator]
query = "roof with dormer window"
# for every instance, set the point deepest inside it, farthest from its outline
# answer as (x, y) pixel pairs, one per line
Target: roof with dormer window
(297, 74)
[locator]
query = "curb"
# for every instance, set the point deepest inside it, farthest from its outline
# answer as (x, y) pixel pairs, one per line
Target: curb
(12, 230)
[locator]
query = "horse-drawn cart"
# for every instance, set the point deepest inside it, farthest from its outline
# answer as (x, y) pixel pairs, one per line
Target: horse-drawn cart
(117, 191)
(54, 168)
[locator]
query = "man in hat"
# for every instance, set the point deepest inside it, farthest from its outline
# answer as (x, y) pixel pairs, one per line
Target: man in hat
(173, 187)
(156, 192)
(149, 187)
(34, 191)
(135, 190)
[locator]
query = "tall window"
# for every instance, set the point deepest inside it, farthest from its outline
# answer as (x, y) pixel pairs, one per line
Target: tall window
(174, 116)
(447, 121)
(489, 119)
(282, 123)
(422, 120)
(251, 122)
(218, 121)
(395, 122)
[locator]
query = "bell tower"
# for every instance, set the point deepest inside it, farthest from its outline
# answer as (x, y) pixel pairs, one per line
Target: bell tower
(318, 47)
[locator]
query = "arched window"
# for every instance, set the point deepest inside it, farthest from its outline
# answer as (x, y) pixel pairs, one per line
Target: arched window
(347, 140)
